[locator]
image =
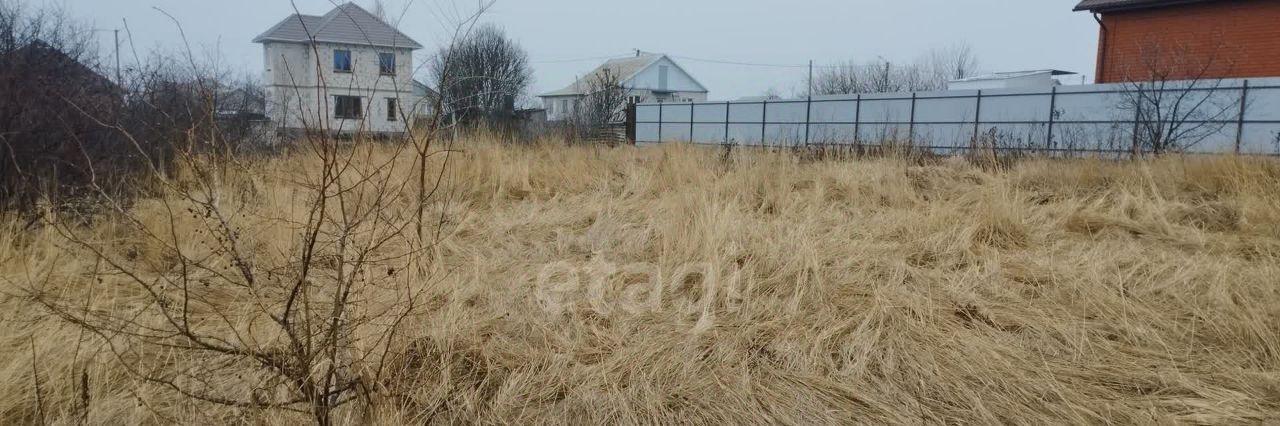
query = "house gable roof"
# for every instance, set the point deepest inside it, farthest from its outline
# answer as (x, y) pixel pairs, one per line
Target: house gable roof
(625, 68)
(1118, 5)
(348, 24)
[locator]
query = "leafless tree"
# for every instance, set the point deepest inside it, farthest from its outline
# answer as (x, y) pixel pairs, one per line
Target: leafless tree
(487, 73)
(952, 63)
(379, 9)
(772, 93)
(308, 323)
(602, 106)
(882, 76)
(1174, 97)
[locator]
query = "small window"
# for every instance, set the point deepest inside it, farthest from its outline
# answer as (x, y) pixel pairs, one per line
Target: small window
(342, 60)
(392, 110)
(637, 99)
(346, 107)
(387, 63)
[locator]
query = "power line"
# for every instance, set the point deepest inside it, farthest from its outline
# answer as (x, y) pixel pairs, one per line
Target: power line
(594, 58)
(747, 64)
(754, 64)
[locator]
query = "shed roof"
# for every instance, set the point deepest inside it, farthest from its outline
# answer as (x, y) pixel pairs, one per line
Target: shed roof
(348, 24)
(1114, 5)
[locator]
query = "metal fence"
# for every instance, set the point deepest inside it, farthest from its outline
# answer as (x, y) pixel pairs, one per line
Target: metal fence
(1234, 116)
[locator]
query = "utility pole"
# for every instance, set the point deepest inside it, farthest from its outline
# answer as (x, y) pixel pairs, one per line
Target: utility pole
(119, 78)
(116, 33)
(810, 78)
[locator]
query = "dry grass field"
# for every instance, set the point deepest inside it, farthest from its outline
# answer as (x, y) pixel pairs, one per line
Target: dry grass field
(675, 284)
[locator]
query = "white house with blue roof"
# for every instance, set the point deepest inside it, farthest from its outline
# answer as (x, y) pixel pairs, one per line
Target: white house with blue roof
(345, 71)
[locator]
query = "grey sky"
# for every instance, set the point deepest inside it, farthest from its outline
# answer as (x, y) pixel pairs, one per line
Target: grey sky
(1006, 34)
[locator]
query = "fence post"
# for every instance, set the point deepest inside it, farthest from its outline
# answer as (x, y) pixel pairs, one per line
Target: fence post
(1244, 96)
(690, 121)
(977, 120)
(764, 120)
(911, 124)
(857, 120)
(1137, 120)
(659, 121)
(631, 122)
(1053, 110)
(727, 105)
(808, 113)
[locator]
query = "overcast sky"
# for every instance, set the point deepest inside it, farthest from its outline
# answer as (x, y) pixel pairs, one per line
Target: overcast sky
(566, 38)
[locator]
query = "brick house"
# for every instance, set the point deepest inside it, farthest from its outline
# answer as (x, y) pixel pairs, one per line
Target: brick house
(1183, 39)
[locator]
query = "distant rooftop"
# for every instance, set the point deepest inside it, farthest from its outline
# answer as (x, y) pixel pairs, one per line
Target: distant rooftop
(1115, 5)
(1014, 74)
(622, 68)
(346, 24)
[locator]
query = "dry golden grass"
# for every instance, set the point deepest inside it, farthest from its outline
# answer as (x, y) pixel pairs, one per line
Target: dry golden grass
(798, 292)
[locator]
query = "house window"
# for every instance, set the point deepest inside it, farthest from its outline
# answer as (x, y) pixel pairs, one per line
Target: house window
(387, 63)
(637, 99)
(346, 107)
(564, 106)
(391, 109)
(551, 107)
(342, 60)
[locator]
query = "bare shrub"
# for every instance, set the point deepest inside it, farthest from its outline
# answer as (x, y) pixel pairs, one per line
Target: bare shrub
(233, 302)
(1176, 102)
(602, 108)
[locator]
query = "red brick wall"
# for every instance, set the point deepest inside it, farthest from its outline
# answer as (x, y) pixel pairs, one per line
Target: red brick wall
(1228, 38)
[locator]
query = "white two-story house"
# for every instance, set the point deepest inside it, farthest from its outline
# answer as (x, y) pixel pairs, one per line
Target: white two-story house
(345, 72)
(646, 77)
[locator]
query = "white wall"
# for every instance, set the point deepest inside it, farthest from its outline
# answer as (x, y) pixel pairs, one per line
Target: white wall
(299, 98)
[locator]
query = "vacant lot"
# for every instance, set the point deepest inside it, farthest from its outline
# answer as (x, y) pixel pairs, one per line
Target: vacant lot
(678, 284)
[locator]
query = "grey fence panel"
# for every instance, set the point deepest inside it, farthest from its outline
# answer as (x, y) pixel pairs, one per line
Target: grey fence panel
(1215, 138)
(1087, 118)
(834, 111)
(1263, 104)
(677, 113)
(710, 113)
(1015, 108)
(1088, 106)
(708, 132)
(747, 113)
(787, 112)
(647, 113)
(1260, 138)
(744, 134)
(784, 134)
(646, 132)
(945, 110)
(831, 134)
(945, 135)
(886, 109)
